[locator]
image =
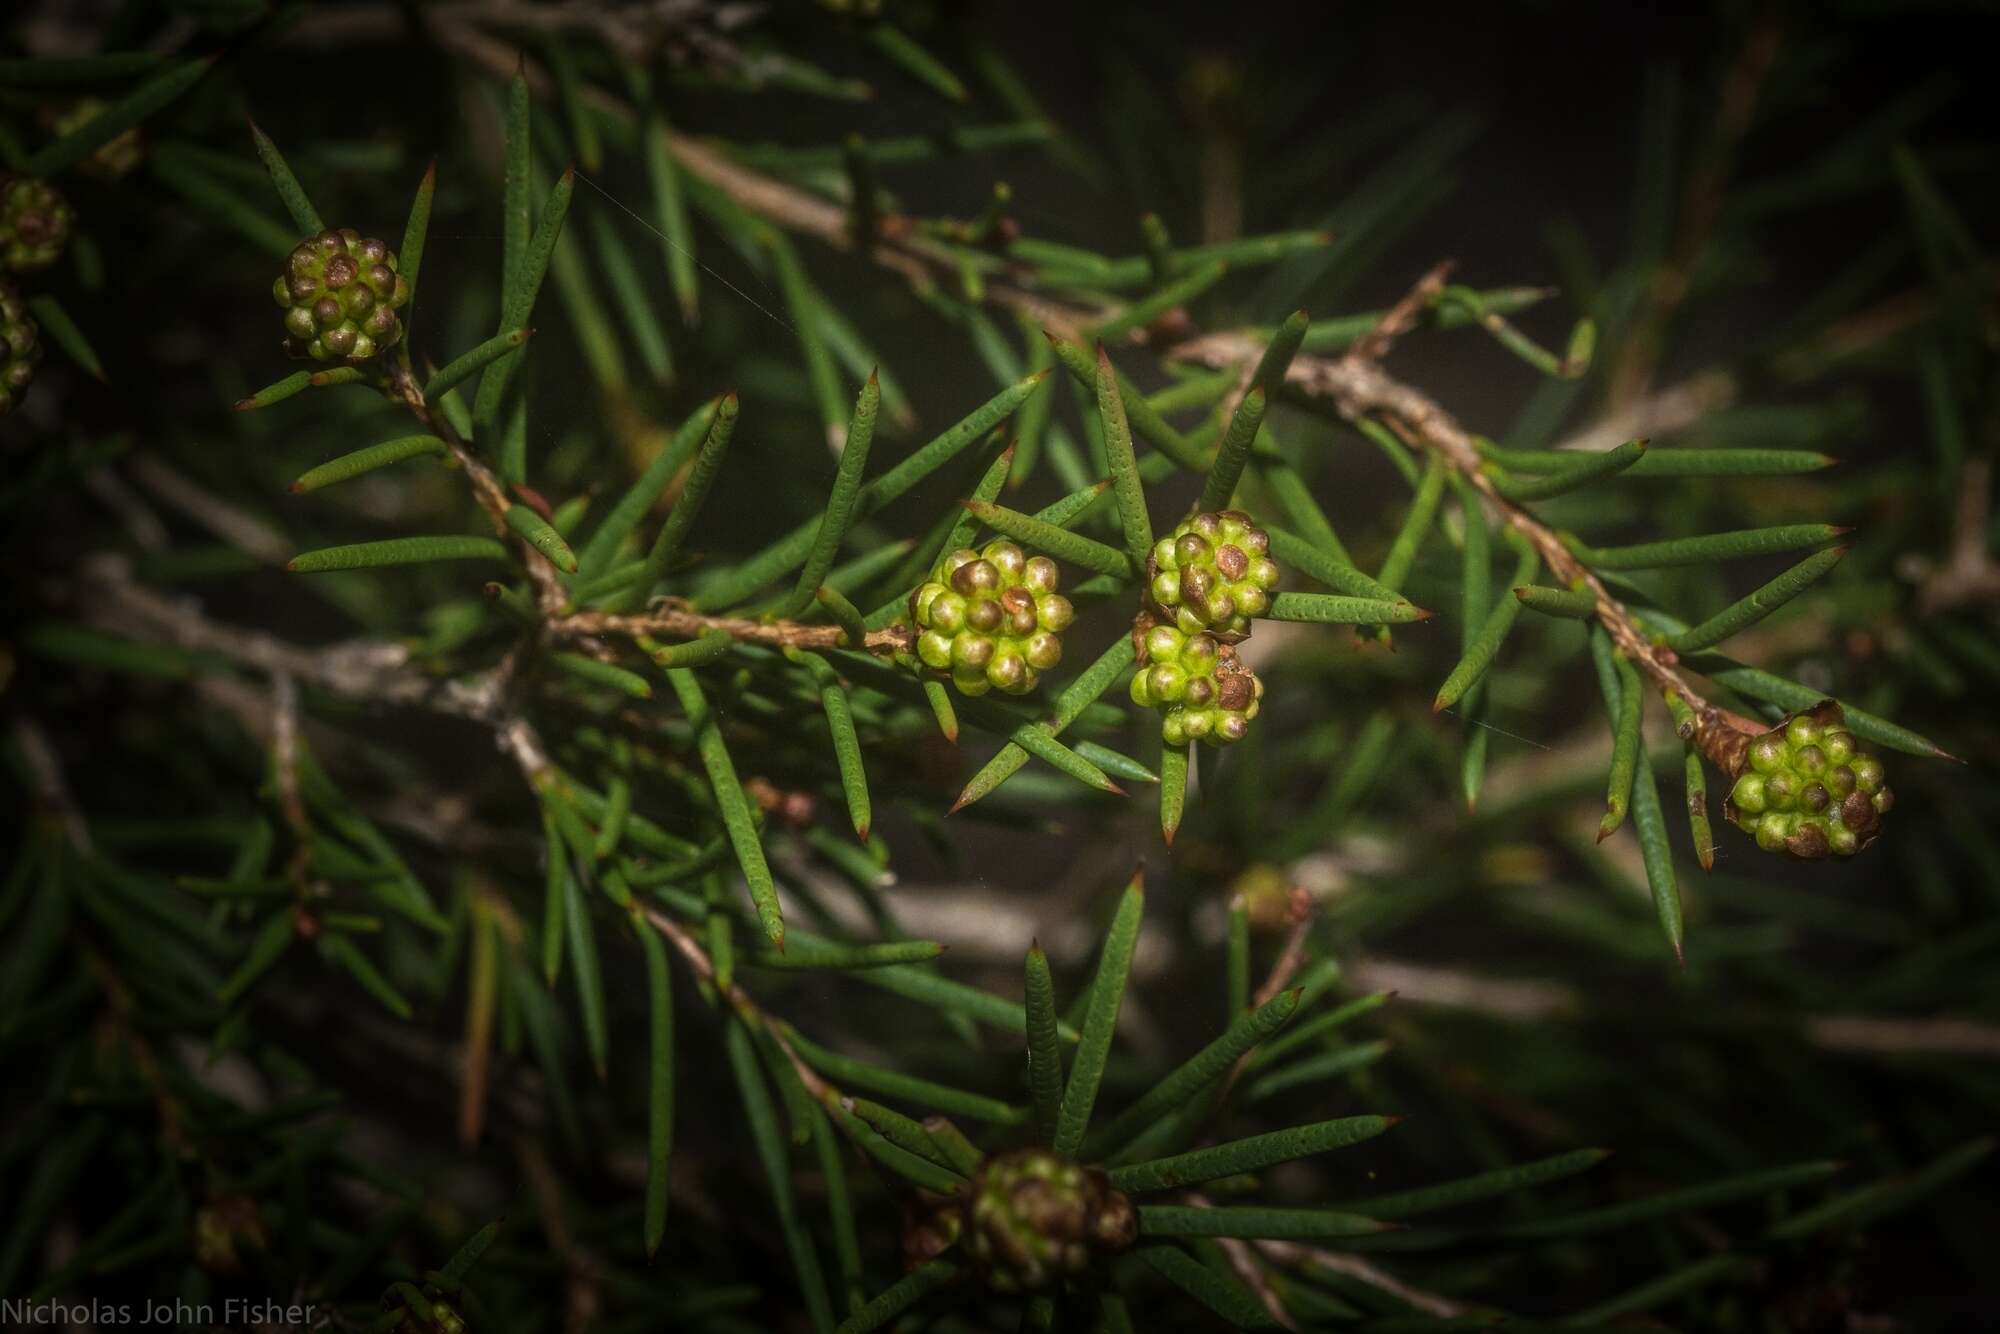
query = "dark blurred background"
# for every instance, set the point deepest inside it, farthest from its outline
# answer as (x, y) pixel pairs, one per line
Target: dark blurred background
(1574, 146)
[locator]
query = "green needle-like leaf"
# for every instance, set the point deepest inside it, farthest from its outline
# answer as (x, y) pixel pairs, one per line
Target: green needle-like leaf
(671, 216)
(1227, 1297)
(1409, 538)
(1107, 991)
(762, 1120)
(1762, 685)
(1575, 604)
(1173, 790)
(581, 935)
(1045, 1071)
(760, 569)
(1657, 463)
(840, 499)
(1706, 550)
(598, 673)
(906, 1134)
(846, 957)
(1227, 469)
(1254, 1222)
(265, 948)
(1486, 643)
(61, 330)
(460, 369)
(555, 895)
(1858, 1207)
(1125, 485)
(416, 232)
(846, 742)
(1278, 353)
(1246, 1155)
(1485, 1186)
(1047, 538)
(1170, 297)
(803, 304)
(1095, 679)
(900, 1296)
(367, 460)
(1650, 823)
(304, 216)
(853, 629)
(1318, 561)
(516, 209)
(1696, 780)
(1139, 413)
(1314, 1070)
(148, 98)
(1335, 609)
(278, 392)
(915, 61)
(852, 1073)
(1193, 1076)
(633, 506)
(396, 551)
(1705, 1196)
(730, 801)
(341, 950)
(518, 301)
(721, 428)
(660, 1082)
(1754, 607)
(540, 534)
(1623, 702)
(1588, 469)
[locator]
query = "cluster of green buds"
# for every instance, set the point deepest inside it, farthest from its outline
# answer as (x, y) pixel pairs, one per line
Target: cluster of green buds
(1805, 788)
(1212, 574)
(20, 346)
(1033, 1219)
(35, 223)
(991, 619)
(1202, 688)
(340, 294)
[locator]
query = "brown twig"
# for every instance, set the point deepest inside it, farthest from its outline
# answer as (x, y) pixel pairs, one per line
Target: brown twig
(1402, 317)
(680, 623)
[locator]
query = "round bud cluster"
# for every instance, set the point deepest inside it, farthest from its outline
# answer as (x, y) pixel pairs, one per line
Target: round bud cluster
(1202, 688)
(35, 223)
(20, 346)
(1806, 789)
(1033, 1219)
(991, 619)
(340, 294)
(1212, 574)
(111, 159)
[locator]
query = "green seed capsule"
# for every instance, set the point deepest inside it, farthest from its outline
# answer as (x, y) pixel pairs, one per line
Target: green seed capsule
(1211, 575)
(341, 293)
(1808, 791)
(991, 619)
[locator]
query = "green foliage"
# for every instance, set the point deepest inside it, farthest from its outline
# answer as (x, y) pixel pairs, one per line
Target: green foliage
(306, 867)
